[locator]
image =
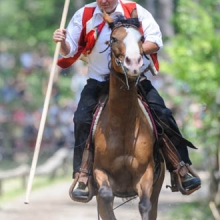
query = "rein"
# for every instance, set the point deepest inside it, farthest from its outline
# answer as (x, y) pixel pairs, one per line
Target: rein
(120, 63)
(125, 202)
(118, 205)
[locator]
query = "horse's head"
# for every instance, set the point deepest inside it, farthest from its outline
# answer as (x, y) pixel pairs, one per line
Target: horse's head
(126, 45)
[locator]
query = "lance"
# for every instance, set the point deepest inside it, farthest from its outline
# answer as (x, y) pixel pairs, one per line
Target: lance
(46, 105)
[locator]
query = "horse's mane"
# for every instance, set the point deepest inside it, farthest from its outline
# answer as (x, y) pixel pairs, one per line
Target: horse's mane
(121, 20)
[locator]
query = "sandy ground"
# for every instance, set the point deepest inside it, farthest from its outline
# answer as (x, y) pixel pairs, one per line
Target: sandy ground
(53, 203)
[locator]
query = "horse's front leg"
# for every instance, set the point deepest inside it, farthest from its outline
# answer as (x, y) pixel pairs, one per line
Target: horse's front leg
(144, 189)
(105, 196)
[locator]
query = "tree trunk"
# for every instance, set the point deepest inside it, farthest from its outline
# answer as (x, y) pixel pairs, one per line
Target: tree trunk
(162, 11)
(165, 10)
(150, 6)
(79, 4)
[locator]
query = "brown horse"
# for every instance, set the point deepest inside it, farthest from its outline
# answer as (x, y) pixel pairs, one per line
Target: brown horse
(124, 138)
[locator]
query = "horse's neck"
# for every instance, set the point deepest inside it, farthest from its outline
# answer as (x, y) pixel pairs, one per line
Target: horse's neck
(121, 98)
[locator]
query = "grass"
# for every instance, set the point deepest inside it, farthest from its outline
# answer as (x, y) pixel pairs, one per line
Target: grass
(191, 211)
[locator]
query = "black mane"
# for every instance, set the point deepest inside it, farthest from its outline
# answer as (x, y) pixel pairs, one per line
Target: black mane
(121, 20)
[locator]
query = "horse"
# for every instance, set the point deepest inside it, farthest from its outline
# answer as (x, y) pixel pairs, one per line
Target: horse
(124, 138)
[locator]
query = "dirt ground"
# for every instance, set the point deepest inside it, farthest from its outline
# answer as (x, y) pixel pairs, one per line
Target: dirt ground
(53, 203)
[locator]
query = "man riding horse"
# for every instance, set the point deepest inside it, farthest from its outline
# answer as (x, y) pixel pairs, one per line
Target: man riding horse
(87, 34)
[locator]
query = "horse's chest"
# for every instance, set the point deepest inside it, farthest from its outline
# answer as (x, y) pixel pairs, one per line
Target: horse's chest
(123, 148)
(123, 141)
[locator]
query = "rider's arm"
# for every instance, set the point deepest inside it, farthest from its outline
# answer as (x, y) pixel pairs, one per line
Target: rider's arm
(69, 38)
(150, 47)
(151, 30)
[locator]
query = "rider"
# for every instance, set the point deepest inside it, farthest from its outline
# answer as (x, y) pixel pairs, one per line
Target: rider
(97, 70)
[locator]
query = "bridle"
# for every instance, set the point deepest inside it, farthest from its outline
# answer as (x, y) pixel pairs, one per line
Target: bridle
(118, 61)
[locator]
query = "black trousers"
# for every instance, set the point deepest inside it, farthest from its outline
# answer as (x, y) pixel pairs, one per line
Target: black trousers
(84, 113)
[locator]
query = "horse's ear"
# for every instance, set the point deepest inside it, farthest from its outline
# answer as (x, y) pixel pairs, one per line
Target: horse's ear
(134, 13)
(107, 18)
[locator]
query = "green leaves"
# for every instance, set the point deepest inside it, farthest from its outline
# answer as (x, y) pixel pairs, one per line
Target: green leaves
(194, 54)
(194, 51)
(29, 22)
(27, 26)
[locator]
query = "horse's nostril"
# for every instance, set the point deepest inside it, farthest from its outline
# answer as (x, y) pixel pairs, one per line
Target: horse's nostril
(139, 60)
(127, 60)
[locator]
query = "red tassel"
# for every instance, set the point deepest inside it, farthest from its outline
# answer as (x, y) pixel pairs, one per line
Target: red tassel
(155, 60)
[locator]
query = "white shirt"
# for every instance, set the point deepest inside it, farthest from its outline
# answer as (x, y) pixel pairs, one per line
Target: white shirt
(98, 63)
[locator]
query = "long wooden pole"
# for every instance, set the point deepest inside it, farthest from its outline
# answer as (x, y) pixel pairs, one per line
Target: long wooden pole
(46, 105)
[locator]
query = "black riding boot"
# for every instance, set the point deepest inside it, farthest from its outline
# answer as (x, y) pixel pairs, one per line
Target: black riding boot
(157, 105)
(81, 132)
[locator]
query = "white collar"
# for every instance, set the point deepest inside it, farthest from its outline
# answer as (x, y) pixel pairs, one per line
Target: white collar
(118, 10)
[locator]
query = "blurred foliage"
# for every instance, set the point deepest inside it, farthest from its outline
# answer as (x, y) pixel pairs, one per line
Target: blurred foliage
(28, 27)
(28, 24)
(192, 211)
(194, 54)
(195, 50)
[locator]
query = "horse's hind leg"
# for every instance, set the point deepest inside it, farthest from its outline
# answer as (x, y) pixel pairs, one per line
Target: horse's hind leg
(105, 196)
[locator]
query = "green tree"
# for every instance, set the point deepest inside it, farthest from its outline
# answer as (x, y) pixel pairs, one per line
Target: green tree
(27, 26)
(195, 56)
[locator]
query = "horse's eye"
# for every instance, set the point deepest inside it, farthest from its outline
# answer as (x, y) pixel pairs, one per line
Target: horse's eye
(113, 40)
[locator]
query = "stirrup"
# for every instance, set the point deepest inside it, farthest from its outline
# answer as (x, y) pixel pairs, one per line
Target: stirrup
(176, 183)
(90, 188)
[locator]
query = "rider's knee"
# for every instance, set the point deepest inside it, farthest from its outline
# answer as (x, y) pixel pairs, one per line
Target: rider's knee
(82, 117)
(165, 114)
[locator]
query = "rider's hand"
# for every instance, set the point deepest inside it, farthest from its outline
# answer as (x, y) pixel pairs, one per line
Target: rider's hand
(59, 35)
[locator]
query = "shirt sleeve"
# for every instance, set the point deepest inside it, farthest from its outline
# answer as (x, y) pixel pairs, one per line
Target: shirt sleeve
(74, 29)
(150, 27)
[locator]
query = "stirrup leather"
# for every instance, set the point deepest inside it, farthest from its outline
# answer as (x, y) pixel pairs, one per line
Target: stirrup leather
(85, 175)
(176, 183)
